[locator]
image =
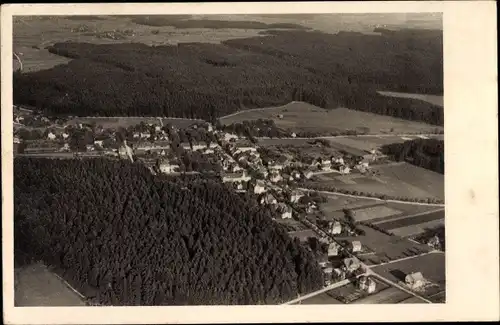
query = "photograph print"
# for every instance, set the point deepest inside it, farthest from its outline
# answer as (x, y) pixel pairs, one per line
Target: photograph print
(271, 159)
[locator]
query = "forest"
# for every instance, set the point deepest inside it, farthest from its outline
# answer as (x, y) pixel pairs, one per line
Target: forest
(124, 237)
(426, 153)
(207, 81)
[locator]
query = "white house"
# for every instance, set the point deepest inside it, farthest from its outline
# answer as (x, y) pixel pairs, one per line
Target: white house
(259, 188)
(326, 164)
(351, 264)
(294, 135)
(276, 167)
(166, 167)
(333, 249)
(338, 160)
(90, 147)
(16, 140)
(268, 199)
(415, 280)
(285, 210)
(145, 135)
(323, 261)
(356, 246)
(136, 135)
(65, 147)
(51, 136)
(245, 149)
(295, 196)
(229, 136)
(367, 284)
(308, 174)
(236, 177)
(65, 135)
(98, 142)
(345, 170)
(157, 128)
(275, 178)
(335, 228)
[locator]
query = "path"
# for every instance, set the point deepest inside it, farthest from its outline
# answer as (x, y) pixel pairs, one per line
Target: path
(371, 198)
(376, 135)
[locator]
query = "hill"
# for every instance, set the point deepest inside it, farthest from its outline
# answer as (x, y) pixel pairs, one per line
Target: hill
(201, 80)
(124, 237)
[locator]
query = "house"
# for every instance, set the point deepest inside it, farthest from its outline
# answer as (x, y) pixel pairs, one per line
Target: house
(335, 228)
(326, 164)
(268, 199)
(323, 261)
(157, 128)
(280, 116)
(295, 196)
(294, 135)
(367, 284)
(275, 177)
(339, 274)
(328, 269)
(234, 167)
(16, 140)
(296, 174)
(236, 177)
(198, 146)
(98, 143)
(415, 280)
(338, 160)
(351, 264)
(434, 242)
(345, 170)
(230, 136)
(333, 249)
(136, 135)
(51, 136)
(90, 147)
(259, 187)
(208, 151)
(308, 174)
(145, 135)
(276, 166)
(125, 151)
(167, 167)
(65, 147)
(356, 246)
(210, 127)
(65, 135)
(245, 149)
(285, 211)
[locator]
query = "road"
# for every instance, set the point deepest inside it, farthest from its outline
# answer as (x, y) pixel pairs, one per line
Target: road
(380, 135)
(372, 198)
(320, 291)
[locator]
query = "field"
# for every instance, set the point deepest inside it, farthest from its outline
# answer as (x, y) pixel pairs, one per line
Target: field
(411, 221)
(299, 116)
(391, 295)
(303, 235)
(368, 143)
(395, 180)
(431, 265)
(35, 285)
(378, 211)
(433, 99)
(335, 203)
(416, 229)
(291, 224)
(386, 248)
(115, 122)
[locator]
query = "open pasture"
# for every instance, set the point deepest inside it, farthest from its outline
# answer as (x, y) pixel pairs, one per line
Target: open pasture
(394, 180)
(431, 265)
(412, 220)
(417, 229)
(36, 286)
(300, 116)
(335, 203)
(378, 211)
(386, 248)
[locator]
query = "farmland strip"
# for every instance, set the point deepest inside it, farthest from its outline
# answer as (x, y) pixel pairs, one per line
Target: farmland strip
(412, 220)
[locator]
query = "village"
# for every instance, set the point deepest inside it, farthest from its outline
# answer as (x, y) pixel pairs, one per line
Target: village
(272, 178)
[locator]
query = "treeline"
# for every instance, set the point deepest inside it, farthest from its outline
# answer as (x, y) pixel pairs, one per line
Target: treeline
(123, 237)
(201, 80)
(426, 153)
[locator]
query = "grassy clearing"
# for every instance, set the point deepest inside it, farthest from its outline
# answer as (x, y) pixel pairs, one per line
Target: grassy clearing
(386, 248)
(416, 229)
(433, 99)
(411, 221)
(379, 211)
(37, 286)
(299, 116)
(394, 180)
(335, 204)
(424, 179)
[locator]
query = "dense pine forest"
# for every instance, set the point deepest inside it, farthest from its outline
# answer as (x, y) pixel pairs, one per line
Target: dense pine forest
(426, 153)
(201, 80)
(124, 237)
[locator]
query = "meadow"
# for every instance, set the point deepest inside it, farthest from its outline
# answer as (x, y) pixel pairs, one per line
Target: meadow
(304, 117)
(433, 99)
(35, 285)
